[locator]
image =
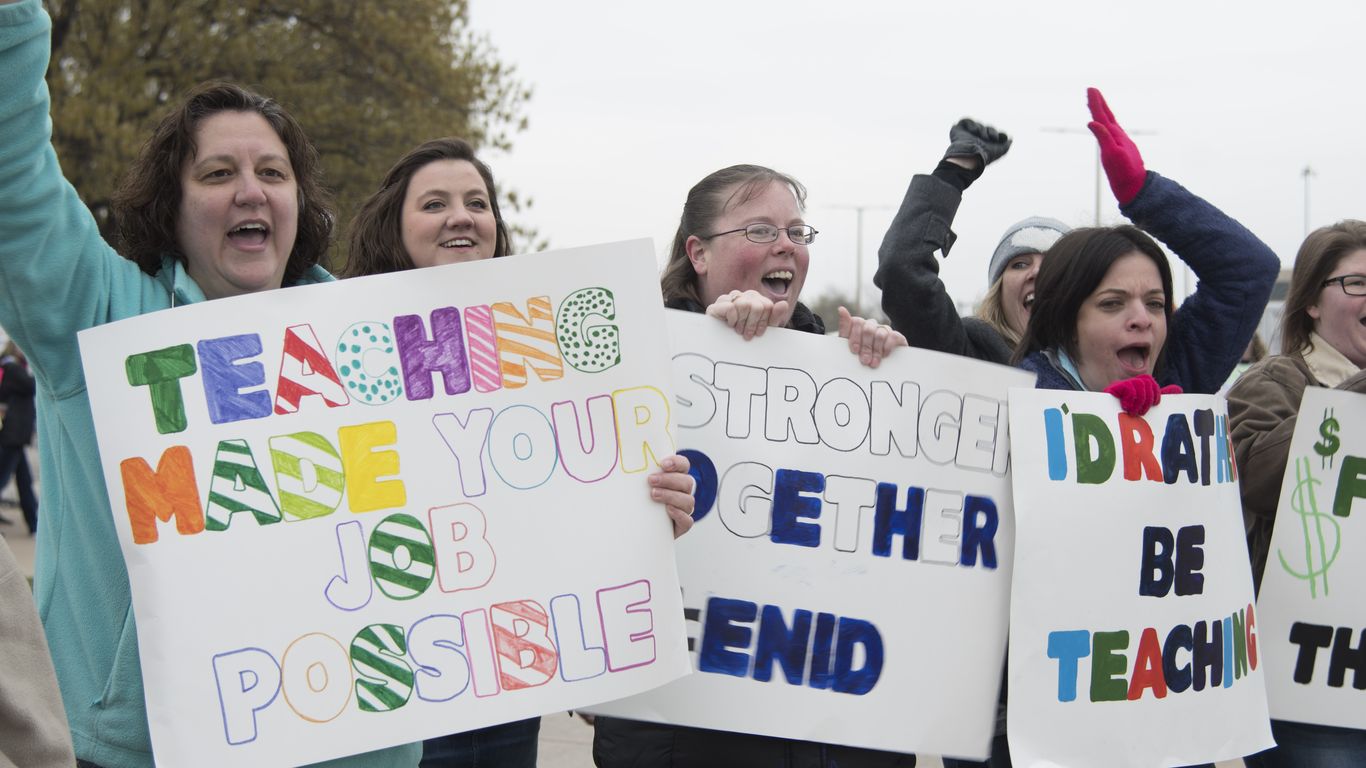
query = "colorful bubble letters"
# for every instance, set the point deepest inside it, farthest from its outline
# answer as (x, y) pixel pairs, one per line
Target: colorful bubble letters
(1131, 599)
(390, 508)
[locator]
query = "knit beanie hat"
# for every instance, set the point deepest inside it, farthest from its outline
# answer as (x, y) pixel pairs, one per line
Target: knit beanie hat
(1035, 234)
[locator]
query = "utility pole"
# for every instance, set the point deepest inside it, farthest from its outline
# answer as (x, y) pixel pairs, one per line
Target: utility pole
(1307, 173)
(858, 250)
(1099, 175)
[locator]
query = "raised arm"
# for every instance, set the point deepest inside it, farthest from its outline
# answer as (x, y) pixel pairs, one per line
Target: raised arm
(56, 273)
(1235, 270)
(913, 296)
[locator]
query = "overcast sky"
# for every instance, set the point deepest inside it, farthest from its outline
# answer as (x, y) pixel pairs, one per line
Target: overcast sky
(635, 101)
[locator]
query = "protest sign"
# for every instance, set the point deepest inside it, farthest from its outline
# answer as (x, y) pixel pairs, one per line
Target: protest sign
(847, 578)
(363, 513)
(1312, 610)
(1133, 638)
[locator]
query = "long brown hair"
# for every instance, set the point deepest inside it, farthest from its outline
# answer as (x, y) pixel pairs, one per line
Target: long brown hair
(146, 204)
(1072, 269)
(376, 245)
(707, 201)
(1316, 261)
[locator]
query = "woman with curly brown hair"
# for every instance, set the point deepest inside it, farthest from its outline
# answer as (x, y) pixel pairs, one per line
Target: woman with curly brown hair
(224, 199)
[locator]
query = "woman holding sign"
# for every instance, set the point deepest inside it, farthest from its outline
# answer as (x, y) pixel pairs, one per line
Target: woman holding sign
(740, 255)
(1104, 318)
(438, 205)
(749, 271)
(224, 199)
(1323, 339)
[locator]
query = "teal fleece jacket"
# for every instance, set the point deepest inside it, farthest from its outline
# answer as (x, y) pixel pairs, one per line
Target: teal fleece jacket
(57, 277)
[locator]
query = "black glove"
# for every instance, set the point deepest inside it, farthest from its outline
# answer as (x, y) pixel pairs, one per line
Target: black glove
(969, 138)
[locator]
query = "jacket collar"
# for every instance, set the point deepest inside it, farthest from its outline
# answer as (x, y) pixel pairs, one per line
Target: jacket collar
(184, 290)
(1064, 366)
(1328, 365)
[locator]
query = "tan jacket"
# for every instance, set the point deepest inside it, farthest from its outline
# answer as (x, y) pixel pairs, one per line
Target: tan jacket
(33, 730)
(1262, 409)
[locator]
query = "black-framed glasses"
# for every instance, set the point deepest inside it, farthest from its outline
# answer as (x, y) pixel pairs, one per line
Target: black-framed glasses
(801, 234)
(1352, 285)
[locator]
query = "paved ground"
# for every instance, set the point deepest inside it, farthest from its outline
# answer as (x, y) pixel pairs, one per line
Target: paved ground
(566, 742)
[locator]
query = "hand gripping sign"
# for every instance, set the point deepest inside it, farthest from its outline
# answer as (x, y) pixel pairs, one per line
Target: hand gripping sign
(846, 579)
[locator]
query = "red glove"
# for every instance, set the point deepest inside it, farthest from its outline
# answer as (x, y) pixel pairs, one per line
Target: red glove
(1119, 155)
(1140, 393)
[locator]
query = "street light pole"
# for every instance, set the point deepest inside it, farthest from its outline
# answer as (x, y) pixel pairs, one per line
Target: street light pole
(858, 249)
(1307, 173)
(1087, 132)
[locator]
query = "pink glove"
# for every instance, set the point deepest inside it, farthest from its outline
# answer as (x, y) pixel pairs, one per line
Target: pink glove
(1140, 393)
(1119, 155)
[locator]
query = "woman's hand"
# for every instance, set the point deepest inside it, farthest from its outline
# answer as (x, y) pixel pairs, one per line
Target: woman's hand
(672, 486)
(748, 312)
(1140, 393)
(869, 339)
(1118, 153)
(974, 145)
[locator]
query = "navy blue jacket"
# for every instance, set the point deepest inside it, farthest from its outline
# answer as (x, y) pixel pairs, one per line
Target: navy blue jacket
(1207, 335)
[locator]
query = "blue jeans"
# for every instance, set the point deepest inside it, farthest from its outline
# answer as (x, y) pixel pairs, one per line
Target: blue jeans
(1301, 745)
(511, 744)
(14, 463)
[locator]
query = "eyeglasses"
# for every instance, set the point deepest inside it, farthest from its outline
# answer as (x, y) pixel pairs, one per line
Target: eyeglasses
(802, 234)
(1352, 285)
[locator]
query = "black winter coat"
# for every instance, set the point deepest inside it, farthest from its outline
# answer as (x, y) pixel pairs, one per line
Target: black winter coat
(913, 296)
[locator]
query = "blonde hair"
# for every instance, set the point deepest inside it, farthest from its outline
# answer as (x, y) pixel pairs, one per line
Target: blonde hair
(992, 311)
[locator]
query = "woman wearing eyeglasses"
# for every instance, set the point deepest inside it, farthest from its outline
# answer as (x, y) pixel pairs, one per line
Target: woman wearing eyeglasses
(740, 255)
(1323, 336)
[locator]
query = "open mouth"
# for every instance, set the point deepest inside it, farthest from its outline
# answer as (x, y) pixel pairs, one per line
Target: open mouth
(249, 234)
(1029, 301)
(778, 281)
(458, 242)
(1134, 358)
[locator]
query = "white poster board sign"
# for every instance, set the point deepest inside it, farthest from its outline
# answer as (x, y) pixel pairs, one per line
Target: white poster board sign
(1312, 605)
(363, 513)
(1133, 638)
(847, 578)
